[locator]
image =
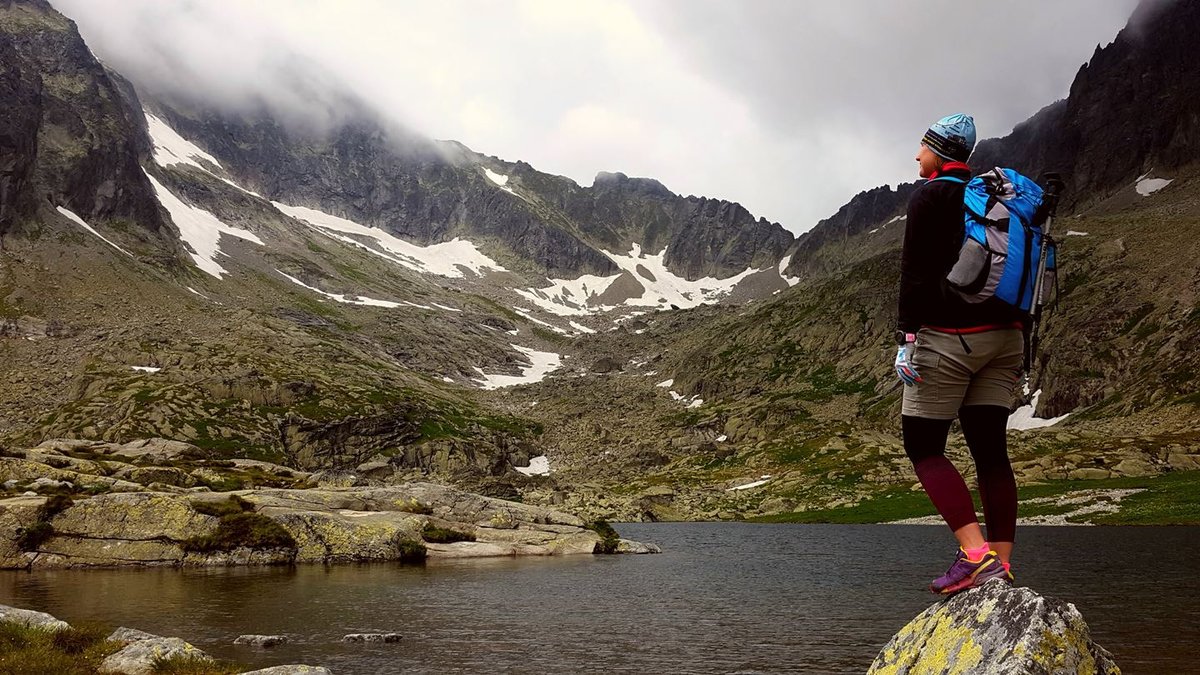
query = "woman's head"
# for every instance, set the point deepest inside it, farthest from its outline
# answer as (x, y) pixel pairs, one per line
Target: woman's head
(950, 139)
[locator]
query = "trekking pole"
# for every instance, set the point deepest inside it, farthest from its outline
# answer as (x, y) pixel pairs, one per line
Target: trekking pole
(1054, 186)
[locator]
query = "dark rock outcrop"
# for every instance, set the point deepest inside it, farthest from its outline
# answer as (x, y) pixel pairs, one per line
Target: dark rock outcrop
(1134, 107)
(69, 135)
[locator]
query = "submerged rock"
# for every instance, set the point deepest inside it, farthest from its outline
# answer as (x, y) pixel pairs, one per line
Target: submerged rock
(995, 629)
(262, 641)
(372, 637)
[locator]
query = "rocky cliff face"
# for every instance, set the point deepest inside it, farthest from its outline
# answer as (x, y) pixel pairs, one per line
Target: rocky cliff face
(374, 173)
(71, 136)
(1133, 108)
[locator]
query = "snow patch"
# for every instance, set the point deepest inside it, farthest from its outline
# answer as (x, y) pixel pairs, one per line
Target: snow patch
(1022, 418)
(661, 288)
(569, 297)
(722, 438)
(791, 281)
(666, 383)
(527, 314)
(447, 259)
(444, 307)
(199, 229)
(762, 480)
(1148, 186)
(349, 300)
(581, 328)
(540, 365)
(676, 395)
(146, 369)
(497, 178)
(696, 402)
(79, 221)
(170, 148)
(538, 466)
(1073, 233)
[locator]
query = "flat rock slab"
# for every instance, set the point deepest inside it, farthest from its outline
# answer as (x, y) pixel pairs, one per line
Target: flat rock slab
(260, 640)
(995, 630)
(372, 637)
(30, 618)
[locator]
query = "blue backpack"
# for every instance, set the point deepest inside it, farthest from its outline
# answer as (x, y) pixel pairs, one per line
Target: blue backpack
(1001, 242)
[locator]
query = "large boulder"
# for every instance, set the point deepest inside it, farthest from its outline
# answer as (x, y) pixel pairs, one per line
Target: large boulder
(30, 618)
(995, 630)
(139, 657)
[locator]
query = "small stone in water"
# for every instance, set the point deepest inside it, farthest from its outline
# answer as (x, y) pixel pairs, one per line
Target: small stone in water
(260, 640)
(372, 637)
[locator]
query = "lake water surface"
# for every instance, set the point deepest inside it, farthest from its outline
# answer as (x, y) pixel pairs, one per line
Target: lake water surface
(722, 598)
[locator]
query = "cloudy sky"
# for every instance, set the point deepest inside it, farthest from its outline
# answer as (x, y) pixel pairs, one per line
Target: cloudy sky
(788, 106)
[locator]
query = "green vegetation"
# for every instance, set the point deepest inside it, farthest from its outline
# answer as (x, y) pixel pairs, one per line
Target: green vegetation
(77, 650)
(229, 507)
(609, 539)
(409, 550)
(31, 538)
(1169, 499)
(894, 504)
(193, 665)
(238, 527)
(440, 535)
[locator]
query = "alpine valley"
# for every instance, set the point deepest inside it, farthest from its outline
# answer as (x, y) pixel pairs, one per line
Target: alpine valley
(196, 298)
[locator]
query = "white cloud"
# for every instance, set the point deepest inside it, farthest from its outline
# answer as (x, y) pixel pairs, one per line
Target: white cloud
(789, 108)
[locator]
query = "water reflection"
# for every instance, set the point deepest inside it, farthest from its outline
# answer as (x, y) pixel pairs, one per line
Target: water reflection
(723, 598)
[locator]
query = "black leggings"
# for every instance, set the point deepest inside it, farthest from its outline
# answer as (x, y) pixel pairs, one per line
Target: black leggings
(984, 428)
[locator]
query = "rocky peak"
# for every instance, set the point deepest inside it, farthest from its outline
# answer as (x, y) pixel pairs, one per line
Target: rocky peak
(72, 136)
(1133, 108)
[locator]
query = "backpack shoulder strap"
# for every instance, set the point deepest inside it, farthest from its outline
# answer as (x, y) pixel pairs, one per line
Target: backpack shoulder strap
(952, 179)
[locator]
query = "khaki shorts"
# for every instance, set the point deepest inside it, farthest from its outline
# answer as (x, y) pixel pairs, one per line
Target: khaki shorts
(952, 378)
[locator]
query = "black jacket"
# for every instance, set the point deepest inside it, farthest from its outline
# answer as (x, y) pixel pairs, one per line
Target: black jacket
(933, 235)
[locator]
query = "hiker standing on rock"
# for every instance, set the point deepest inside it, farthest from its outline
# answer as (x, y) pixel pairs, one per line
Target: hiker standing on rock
(956, 359)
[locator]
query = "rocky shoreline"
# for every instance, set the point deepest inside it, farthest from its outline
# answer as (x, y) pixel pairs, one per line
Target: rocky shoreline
(147, 504)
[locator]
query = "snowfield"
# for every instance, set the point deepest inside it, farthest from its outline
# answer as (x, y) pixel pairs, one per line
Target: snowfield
(538, 466)
(170, 148)
(199, 229)
(452, 259)
(1022, 418)
(660, 287)
(1148, 186)
(540, 365)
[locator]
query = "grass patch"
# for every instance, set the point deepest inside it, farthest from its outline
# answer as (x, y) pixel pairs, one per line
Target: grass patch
(31, 538)
(229, 507)
(410, 550)
(238, 527)
(441, 535)
(609, 539)
(896, 504)
(193, 665)
(77, 650)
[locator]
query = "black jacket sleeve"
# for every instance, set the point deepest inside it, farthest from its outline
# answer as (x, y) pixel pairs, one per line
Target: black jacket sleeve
(923, 260)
